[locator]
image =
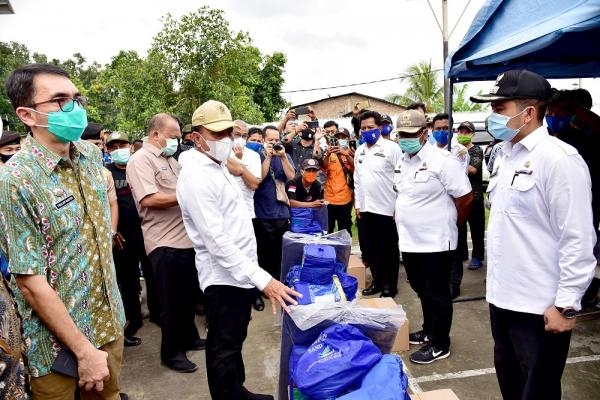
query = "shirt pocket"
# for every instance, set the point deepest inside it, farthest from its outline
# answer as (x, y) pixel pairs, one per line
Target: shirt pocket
(521, 196)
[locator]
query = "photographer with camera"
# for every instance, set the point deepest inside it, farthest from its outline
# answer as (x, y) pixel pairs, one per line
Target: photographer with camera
(271, 204)
(305, 148)
(338, 164)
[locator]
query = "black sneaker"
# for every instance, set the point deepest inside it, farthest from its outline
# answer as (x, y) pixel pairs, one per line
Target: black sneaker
(428, 354)
(419, 337)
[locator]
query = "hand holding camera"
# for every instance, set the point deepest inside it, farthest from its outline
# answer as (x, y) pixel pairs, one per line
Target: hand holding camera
(278, 150)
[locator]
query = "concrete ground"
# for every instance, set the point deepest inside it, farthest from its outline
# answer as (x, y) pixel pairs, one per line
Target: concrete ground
(469, 371)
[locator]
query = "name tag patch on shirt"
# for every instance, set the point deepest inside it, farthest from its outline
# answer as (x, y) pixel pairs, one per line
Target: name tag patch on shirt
(292, 189)
(64, 202)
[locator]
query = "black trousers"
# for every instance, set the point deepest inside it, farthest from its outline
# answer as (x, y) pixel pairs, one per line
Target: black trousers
(429, 276)
(362, 239)
(177, 284)
(128, 279)
(269, 237)
(476, 221)
(382, 249)
(228, 315)
(342, 214)
(529, 361)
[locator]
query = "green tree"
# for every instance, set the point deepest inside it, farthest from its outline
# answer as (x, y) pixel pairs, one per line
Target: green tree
(423, 86)
(460, 102)
(12, 56)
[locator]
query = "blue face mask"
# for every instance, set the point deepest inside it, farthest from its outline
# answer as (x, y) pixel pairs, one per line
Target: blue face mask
(441, 137)
(557, 122)
(255, 146)
(410, 145)
(343, 143)
(386, 130)
(171, 147)
(371, 136)
(66, 126)
(120, 156)
(497, 126)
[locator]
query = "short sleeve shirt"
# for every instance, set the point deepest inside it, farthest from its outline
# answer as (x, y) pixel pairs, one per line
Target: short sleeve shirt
(266, 205)
(296, 191)
(149, 172)
(58, 226)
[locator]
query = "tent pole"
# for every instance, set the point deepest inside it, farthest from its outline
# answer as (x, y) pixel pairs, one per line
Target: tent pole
(448, 106)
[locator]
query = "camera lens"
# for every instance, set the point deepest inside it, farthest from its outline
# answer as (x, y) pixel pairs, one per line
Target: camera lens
(277, 147)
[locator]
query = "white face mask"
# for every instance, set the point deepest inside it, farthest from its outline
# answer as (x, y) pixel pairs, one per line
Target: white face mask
(239, 142)
(220, 150)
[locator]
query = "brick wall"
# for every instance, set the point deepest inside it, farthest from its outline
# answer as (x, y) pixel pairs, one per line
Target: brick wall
(336, 107)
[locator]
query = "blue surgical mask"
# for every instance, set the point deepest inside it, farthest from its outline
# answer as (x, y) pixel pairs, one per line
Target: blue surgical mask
(386, 130)
(410, 145)
(255, 146)
(441, 137)
(497, 126)
(430, 137)
(557, 122)
(371, 136)
(120, 156)
(343, 143)
(66, 126)
(171, 147)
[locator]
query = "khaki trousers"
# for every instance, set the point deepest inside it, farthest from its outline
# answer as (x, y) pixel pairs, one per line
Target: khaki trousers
(61, 387)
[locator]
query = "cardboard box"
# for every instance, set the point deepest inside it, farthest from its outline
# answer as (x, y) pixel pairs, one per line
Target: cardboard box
(442, 394)
(357, 269)
(401, 342)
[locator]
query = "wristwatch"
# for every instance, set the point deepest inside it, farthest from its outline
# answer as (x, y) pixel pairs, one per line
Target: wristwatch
(568, 313)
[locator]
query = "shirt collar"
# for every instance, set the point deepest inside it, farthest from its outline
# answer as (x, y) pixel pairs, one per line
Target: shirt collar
(47, 159)
(421, 154)
(152, 149)
(528, 142)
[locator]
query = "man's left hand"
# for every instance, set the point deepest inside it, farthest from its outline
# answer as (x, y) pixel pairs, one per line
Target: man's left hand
(277, 292)
(235, 167)
(554, 322)
(118, 241)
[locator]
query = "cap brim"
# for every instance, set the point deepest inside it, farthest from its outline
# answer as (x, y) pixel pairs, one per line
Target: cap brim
(219, 126)
(118, 140)
(487, 98)
(408, 129)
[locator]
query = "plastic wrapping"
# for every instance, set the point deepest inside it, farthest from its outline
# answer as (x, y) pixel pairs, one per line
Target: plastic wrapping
(303, 325)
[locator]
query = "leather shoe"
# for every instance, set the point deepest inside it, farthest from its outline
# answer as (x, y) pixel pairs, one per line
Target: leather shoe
(130, 341)
(387, 293)
(454, 291)
(184, 366)
(248, 395)
(259, 304)
(200, 344)
(371, 290)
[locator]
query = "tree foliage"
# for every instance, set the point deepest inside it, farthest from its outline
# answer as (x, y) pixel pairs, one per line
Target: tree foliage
(191, 60)
(425, 85)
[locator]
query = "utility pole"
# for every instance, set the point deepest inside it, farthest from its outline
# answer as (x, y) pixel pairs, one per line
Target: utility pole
(445, 37)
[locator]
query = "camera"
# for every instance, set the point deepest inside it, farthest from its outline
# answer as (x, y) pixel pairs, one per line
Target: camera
(277, 147)
(332, 141)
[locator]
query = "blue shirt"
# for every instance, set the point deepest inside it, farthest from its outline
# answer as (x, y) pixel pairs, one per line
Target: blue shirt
(266, 205)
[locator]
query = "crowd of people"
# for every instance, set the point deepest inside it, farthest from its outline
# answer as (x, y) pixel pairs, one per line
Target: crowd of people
(199, 211)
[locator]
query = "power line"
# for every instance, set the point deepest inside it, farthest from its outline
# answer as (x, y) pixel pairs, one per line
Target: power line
(361, 83)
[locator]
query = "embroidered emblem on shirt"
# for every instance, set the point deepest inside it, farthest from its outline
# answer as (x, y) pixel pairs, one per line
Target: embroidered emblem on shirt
(292, 189)
(527, 164)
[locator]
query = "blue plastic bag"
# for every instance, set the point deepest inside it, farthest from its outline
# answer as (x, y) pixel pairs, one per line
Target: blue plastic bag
(335, 363)
(385, 381)
(304, 220)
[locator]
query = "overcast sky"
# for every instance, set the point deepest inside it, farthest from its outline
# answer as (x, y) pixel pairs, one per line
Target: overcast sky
(327, 42)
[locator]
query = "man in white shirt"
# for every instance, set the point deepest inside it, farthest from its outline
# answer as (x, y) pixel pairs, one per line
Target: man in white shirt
(251, 176)
(434, 195)
(374, 163)
(540, 239)
(220, 228)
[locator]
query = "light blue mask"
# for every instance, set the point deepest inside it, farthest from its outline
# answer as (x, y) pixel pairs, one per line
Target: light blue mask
(497, 126)
(343, 143)
(171, 147)
(120, 156)
(66, 126)
(410, 145)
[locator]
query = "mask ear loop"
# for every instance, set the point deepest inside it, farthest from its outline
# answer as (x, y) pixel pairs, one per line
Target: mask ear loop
(521, 127)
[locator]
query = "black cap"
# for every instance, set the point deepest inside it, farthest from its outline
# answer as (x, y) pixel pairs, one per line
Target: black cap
(468, 125)
(385, 117)
(516, 84)
(310, 163)
(342, 131)
(92, 131)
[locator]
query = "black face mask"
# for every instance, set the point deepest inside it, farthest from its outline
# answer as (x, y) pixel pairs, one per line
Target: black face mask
(4, 158)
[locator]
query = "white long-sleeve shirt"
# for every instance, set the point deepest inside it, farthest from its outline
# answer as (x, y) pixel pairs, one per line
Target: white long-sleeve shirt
(540, 237)
(218, 223)
(374, 177)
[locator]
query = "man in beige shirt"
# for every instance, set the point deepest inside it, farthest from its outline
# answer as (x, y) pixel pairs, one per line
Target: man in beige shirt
(152, 174)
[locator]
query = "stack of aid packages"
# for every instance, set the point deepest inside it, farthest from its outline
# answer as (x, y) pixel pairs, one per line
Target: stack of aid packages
(338, 348)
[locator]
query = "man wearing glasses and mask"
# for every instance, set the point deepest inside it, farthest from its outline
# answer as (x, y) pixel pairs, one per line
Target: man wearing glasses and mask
(57, 238)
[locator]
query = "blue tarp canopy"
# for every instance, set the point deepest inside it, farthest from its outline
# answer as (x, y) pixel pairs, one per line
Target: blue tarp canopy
(555, 38)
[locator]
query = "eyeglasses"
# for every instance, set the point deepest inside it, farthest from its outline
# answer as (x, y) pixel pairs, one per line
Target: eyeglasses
(66, 104)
